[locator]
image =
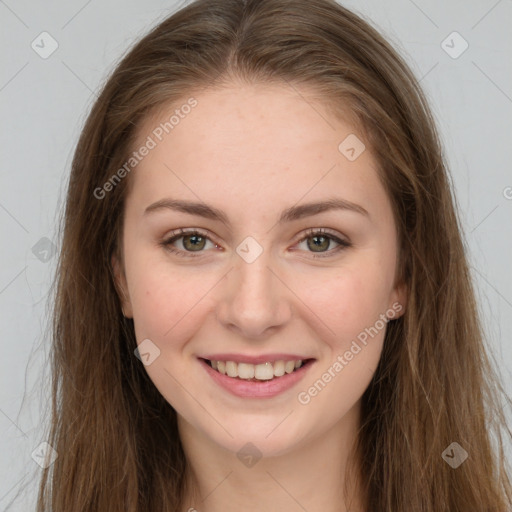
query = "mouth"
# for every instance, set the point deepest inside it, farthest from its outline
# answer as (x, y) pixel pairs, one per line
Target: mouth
(267, 371)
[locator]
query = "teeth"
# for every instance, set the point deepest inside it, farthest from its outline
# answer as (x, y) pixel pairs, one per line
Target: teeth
(245, 371)
(279, 368)
(221, 367)
(231, 369)
(264, 371)
(289, 366)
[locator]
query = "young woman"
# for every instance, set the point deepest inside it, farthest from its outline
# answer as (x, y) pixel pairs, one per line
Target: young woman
(263, 300)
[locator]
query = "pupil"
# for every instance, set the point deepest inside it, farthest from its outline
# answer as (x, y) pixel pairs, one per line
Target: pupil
(317, 244)
(196, 244)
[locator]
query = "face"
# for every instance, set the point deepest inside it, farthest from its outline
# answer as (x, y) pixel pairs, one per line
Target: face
(253, 273)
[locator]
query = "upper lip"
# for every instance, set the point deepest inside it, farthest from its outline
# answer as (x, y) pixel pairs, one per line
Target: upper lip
(263, 358)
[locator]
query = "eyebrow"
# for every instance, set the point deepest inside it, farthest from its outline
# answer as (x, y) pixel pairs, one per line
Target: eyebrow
(288, 215)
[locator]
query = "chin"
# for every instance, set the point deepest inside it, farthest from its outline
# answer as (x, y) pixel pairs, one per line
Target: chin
(258, 440)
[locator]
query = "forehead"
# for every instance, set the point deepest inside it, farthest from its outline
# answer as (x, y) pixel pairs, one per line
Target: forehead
(237, 114)
(251, 143)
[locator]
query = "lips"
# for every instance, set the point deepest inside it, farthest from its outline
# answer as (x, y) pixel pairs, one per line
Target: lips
(262, 384)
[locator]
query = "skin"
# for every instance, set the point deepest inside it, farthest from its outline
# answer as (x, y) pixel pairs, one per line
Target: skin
(253, 151)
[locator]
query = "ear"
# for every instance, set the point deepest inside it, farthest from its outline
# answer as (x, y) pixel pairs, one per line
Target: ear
(121, 286)
(398, 300)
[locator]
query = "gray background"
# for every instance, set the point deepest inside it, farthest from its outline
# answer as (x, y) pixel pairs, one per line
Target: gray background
(44, 103)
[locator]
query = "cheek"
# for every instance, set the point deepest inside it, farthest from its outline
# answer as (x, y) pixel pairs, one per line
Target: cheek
(167, 305)
(169, 310)
(350, 301)
(353, 310)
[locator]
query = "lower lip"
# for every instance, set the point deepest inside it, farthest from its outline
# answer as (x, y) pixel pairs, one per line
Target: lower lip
(257, 389)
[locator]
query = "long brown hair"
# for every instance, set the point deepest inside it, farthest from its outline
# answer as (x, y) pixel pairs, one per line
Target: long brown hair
(116, 436)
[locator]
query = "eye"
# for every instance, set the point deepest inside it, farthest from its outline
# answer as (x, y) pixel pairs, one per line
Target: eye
(319, 240)
(192, 241)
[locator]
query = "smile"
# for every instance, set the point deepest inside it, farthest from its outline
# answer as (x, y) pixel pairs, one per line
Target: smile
(260, 379)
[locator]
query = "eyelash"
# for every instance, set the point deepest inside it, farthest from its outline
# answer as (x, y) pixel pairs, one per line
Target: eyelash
(342, 244)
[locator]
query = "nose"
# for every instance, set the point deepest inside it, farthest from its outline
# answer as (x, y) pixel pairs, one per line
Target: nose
(255, 301)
